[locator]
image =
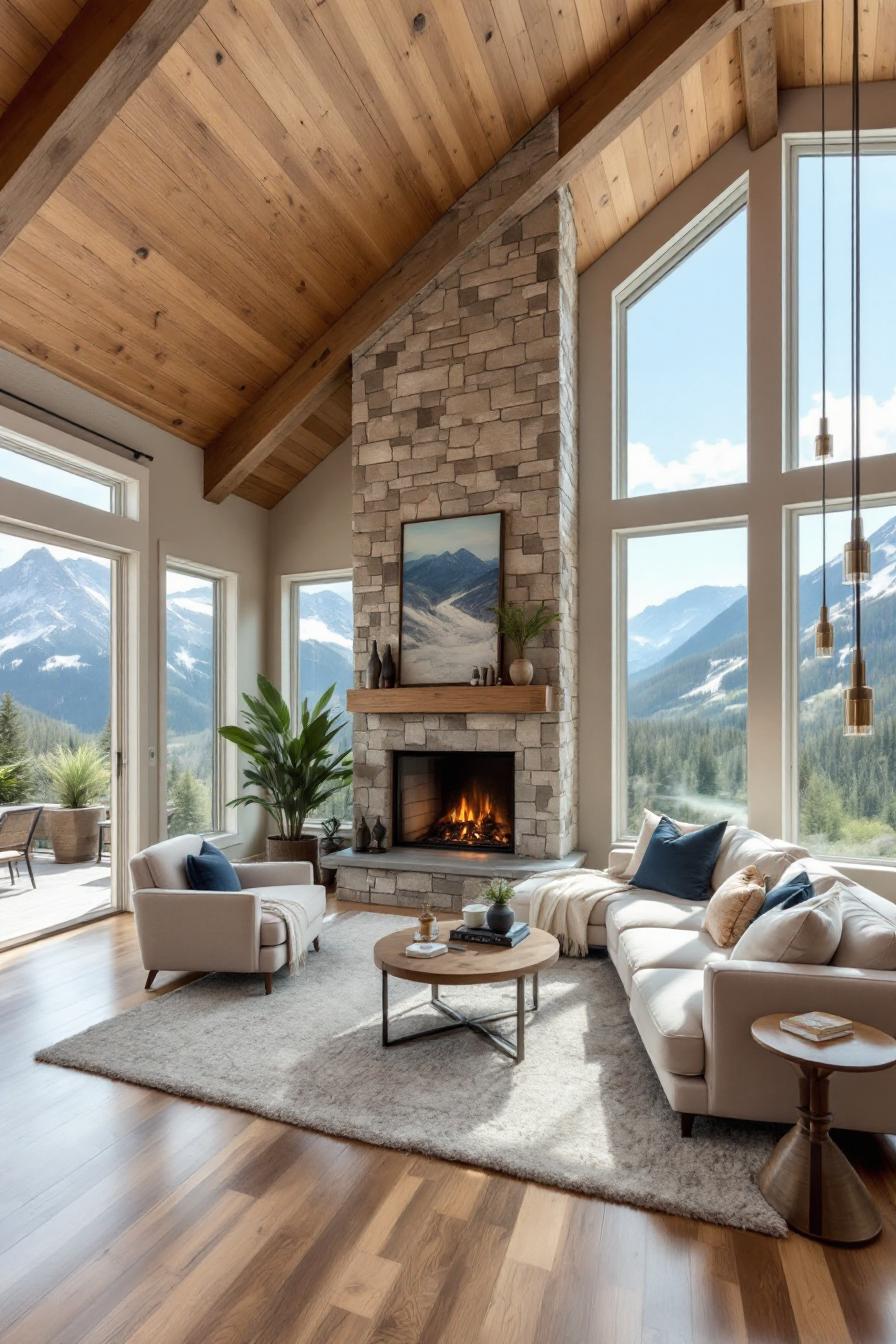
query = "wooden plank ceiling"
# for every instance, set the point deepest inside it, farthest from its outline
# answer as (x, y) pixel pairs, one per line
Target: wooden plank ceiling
(285, 153)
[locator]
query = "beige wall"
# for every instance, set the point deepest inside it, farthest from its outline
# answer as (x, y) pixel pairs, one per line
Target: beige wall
(763, 499)
(178, 522)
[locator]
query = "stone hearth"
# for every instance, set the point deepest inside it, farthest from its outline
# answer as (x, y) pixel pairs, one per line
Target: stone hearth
(467, 405)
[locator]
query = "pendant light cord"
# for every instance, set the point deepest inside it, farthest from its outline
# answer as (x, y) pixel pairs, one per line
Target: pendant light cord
(856, 310)
(824, 327)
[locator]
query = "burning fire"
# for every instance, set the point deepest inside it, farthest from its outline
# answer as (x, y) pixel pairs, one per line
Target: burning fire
(473, 820)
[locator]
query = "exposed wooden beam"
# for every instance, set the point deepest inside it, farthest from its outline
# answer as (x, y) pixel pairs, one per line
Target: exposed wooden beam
(552, 154)
(73, 95)
(759, 68)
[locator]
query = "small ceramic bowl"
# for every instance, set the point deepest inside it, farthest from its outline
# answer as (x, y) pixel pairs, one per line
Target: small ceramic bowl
(474, 915)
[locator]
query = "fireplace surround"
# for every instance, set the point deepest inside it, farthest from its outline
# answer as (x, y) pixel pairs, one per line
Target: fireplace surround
(455, 800)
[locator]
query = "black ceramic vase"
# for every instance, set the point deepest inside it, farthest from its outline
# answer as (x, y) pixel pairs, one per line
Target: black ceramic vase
(379, 834)
(500, 918)
(362, 837)
(387, 678)
(374, 669)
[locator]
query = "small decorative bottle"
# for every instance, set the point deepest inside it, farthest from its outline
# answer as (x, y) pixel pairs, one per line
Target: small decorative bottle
(374, 669)
(387, 678)
(362, 837)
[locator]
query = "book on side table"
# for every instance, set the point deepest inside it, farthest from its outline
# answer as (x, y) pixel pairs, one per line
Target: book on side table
(817, 1026)
(516, 933)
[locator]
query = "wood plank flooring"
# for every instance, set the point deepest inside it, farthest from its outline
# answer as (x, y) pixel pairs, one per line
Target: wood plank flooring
(131, 1217)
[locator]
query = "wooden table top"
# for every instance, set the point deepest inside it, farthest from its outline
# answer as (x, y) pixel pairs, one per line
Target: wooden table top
(866, 1050)
(481, 965)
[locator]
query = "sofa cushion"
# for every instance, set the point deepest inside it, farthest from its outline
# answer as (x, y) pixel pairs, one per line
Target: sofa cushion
(734, 905)
(868, 939)
(273, 930)
(786, 895)
(821, 874)
(639, 949)
(807, 934)
(667, 1008)
(649, 823)
(651, 910)
(167, 861)
(680, 863)
(590, 879)
(741, 847)
(210, 870)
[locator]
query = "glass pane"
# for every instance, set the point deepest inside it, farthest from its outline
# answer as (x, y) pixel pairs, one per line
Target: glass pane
(878, 303)
(190, 702)
(55, 480)
(687, 675)
(324, 658)
(847, 785)
(686, 370)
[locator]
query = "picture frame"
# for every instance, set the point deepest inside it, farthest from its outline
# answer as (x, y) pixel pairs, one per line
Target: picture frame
(451, 576)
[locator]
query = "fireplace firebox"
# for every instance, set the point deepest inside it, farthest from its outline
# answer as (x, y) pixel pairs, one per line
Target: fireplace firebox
(453, 799)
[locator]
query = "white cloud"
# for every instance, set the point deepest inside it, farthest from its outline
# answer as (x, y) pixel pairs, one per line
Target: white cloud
(719, 463)
(878, 424)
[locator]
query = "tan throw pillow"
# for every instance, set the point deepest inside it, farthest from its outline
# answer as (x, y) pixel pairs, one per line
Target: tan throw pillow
(808, 934)
(868, 939)
(734, 906)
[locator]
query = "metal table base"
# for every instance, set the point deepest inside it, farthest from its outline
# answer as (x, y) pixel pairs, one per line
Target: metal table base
(514, 1049)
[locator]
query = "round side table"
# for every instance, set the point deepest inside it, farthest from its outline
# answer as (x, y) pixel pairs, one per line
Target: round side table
(807, 1178)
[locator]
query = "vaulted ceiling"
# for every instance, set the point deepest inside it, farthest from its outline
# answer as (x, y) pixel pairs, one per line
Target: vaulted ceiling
(283, 154)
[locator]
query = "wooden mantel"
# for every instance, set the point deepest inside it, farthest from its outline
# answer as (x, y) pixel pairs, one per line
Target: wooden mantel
(453, 700)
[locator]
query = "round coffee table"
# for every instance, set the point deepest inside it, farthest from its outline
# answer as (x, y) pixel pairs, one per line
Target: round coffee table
(471, 964)
(807, 1178)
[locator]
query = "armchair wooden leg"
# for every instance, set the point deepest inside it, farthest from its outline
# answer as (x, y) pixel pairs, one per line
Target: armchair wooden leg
(315, 943)
(687, 1124)
(268, 982)
(149, 979)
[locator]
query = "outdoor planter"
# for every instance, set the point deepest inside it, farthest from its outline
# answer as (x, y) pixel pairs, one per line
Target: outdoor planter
(75, 832)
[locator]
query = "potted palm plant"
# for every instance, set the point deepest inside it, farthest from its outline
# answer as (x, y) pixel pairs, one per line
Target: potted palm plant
(520, 626)
(292, 775)
(79, 777)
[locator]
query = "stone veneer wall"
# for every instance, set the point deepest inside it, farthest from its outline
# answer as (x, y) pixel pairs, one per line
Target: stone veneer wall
(467, 405)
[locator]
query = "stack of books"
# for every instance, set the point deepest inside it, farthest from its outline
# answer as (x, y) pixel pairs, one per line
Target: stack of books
(817, 1026)
(515, 934)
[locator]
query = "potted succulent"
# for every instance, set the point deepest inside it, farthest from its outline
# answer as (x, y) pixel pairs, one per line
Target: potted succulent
(293, 775)
(520, 626)
(79, 777)
(499, 894)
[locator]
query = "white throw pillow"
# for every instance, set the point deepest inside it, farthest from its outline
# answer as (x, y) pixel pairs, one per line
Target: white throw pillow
(648, 825)
(868, 939)
(808, 934)
(742, 848)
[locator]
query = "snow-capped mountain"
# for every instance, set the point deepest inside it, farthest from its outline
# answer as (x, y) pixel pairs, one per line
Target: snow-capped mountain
(54, 636)
(658, 631)
(189, 636)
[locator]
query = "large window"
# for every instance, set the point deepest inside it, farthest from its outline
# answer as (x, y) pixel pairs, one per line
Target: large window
(193, 613)
(847, 785)
(681, 346)
(878, 298)
(686, 673)
(321, 656)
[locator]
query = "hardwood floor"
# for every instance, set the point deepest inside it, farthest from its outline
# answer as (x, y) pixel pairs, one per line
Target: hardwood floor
(131, 1217)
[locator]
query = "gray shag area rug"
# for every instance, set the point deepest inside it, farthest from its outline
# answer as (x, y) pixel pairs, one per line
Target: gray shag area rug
(584, 1111)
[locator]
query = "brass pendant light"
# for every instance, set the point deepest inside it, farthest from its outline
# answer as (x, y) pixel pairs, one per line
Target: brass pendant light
(858, 699)
(824, 442)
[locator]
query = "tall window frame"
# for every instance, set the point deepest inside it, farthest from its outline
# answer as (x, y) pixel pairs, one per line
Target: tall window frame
(799, 145)
(620, 755)
(123, 494)
(224, 693)
(731, 202)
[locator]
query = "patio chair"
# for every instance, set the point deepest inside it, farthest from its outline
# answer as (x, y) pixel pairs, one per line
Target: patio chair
(17, 827)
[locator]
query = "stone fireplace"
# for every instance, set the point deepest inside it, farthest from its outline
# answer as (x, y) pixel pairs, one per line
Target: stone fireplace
(466, 405)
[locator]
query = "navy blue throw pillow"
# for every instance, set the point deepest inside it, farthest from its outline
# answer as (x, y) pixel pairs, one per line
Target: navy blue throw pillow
(210, 870)
(680, 863)
(788, 894)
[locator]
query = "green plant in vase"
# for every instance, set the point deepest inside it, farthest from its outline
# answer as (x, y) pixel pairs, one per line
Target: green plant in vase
(79, 777)
(520, 626)
(498, 894)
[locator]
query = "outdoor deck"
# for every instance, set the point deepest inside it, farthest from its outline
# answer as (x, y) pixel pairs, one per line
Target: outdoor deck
(65, 892)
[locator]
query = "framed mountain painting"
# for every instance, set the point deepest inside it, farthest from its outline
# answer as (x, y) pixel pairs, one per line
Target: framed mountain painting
(451, 570)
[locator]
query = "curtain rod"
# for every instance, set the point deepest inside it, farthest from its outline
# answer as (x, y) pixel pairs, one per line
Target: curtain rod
(123, 448)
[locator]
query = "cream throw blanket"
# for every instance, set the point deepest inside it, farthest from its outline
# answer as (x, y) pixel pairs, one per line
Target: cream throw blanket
(296, 921)
(562, 904)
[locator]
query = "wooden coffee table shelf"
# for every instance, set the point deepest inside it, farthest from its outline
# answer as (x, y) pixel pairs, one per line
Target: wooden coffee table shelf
(482, 964)
(453, 700)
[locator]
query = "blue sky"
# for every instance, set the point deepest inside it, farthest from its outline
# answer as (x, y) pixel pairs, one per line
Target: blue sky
(476, 534)
(662, 566)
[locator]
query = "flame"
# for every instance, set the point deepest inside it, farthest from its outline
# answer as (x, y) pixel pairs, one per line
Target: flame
(476, 811)
(474, 819)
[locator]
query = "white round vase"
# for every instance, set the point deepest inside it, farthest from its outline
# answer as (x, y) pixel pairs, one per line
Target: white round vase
(521, 671)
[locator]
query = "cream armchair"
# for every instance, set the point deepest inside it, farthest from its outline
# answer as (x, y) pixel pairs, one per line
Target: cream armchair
(179, 929)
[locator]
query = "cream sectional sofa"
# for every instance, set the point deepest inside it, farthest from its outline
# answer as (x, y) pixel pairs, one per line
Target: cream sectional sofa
(693, 1004)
